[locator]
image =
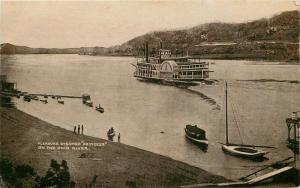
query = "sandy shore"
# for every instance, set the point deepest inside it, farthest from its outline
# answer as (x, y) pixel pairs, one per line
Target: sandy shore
(113, 163)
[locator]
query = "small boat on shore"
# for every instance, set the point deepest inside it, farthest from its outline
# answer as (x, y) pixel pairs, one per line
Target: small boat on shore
(60, 101)
(27, 98)
(89, 103)
(44, 101)
(34, 97)
(196, 135)
(100, 109)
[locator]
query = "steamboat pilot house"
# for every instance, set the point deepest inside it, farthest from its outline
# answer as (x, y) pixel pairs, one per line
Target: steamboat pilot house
(169, 68)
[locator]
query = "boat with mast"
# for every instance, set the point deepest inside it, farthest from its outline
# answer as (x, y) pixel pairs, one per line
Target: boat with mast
(245, 151)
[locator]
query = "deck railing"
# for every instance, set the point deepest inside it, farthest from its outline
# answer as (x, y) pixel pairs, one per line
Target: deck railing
(192, 77)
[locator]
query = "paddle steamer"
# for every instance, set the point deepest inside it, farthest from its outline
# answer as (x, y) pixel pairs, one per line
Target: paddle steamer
(174, 70)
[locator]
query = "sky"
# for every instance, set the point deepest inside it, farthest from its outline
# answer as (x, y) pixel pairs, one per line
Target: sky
(64, 24)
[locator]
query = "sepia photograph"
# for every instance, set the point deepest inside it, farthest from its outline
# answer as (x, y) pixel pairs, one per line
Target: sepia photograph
(149, 93)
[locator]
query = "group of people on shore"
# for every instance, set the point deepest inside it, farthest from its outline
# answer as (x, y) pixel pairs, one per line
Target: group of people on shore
(110, 134)
(77, 129)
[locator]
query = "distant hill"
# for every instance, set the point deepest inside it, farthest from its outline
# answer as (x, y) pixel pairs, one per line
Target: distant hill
(275, 39)
(282, 27)
(7, 48)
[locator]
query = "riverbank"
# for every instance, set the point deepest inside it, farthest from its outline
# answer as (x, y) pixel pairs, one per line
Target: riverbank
(268, 51)
(112, 163)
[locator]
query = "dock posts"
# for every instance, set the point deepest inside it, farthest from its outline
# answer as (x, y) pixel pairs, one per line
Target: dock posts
(293, 142)
(293, 125)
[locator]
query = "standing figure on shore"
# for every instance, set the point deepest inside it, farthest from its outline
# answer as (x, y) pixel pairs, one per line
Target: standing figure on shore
(82, 129)
(78, 129)
(119, 137)
(111, 134)
(75, 129)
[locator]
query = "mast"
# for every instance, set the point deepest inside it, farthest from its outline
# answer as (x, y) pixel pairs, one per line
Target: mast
(226, 123)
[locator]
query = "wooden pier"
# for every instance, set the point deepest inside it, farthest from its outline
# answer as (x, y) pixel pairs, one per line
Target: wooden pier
(39, 94)
(59, 96)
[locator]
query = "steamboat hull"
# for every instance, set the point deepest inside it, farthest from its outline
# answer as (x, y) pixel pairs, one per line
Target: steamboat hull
(178, 83)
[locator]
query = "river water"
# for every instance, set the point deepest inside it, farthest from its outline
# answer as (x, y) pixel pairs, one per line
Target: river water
(140, 111)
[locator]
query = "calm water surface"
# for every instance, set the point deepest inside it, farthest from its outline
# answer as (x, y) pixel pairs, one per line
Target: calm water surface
(140, 111)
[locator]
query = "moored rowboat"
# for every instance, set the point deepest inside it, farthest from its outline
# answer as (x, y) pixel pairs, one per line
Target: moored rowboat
(197, 141)
(99, 109)
(60, 101)
(196, 135)
(89, 103)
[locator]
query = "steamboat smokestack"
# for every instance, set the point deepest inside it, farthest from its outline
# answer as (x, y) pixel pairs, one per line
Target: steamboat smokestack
(159, 51)
(146, 51)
